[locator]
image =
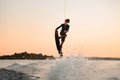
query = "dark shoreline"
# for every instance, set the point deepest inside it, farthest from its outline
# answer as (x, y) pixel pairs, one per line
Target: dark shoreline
(88, 58)
(26, 56)
(39, 56)
(103, 58)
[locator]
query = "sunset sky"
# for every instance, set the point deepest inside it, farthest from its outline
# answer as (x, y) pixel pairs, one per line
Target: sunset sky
(28, 25)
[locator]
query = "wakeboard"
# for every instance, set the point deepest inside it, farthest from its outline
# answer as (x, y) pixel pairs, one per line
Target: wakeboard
(57, 41)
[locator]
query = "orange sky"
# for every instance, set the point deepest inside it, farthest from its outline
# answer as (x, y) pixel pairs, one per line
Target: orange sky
(28, 25)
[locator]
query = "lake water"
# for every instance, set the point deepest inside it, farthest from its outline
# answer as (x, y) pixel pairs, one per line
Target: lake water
(66, 68)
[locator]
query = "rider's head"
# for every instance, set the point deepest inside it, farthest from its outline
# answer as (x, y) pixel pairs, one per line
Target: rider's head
(67, 20)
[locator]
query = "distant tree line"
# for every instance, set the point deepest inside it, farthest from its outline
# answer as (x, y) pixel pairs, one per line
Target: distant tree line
(26, 55)
(102, 58)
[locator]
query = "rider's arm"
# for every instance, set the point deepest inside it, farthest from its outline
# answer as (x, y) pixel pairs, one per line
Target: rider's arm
(59, 27)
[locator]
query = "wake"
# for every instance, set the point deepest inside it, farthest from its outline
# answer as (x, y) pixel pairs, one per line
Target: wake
(68, 69)
(82, 69)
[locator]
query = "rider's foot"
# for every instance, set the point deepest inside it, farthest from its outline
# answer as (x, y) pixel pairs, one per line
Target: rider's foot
(61, 54)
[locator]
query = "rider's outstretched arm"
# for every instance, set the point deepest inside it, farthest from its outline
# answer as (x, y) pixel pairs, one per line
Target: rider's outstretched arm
(59, 27)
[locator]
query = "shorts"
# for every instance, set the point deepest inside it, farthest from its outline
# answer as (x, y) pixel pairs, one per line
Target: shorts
(63, 36)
